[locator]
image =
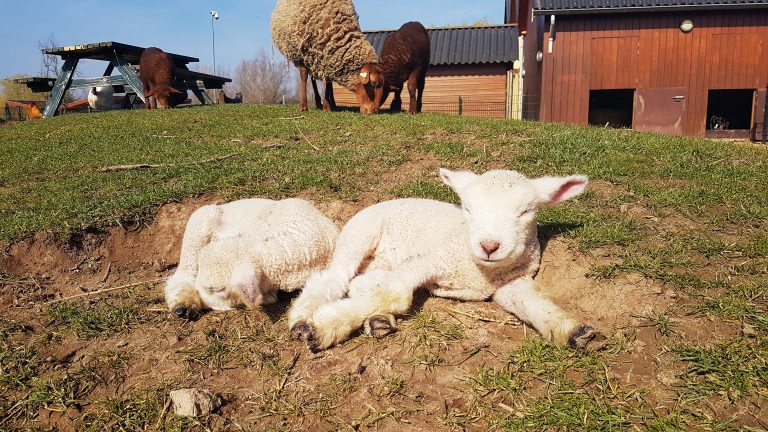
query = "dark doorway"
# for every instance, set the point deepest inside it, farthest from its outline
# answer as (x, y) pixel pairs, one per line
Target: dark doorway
(612, 108)
(729, 110)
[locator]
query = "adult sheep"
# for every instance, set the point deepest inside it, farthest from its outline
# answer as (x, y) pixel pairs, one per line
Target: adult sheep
(323, 39)
(157, 73)
(487, 248)
(244, 252)
(405, 58)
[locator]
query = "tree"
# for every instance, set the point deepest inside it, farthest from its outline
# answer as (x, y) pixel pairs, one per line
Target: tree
(49, 65)
(264, 79)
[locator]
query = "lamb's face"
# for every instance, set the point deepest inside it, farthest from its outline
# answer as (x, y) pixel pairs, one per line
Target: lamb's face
(501, 206)
(225, 277)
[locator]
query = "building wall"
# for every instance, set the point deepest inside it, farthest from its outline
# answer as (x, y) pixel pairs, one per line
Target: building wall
(725, 50)
(483, 89)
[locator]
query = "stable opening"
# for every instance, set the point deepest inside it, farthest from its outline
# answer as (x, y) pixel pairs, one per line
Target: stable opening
(612, 108)
(729, 110)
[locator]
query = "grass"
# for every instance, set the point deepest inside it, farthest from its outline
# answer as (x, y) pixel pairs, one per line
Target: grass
(94, 321)
(687, 215)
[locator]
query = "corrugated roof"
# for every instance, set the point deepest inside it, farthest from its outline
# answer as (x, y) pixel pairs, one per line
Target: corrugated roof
(557, 7)
(464, 45)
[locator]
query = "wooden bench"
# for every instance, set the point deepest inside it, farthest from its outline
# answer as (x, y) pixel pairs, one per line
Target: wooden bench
(122, 58)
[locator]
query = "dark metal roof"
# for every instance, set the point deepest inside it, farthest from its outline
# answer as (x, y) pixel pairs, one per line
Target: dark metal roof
(563, 7)
(464, 45)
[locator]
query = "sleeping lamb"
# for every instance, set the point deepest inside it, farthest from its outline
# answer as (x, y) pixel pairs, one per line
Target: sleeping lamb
(487, 248)
(244, 252)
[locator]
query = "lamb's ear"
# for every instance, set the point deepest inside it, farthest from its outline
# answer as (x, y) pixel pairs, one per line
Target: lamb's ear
(245, 279)
(457, 180)
(173, 90)
(553, 190)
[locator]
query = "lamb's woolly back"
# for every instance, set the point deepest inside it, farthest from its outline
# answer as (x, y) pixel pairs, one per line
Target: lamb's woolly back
(247, 250)
(323, 35)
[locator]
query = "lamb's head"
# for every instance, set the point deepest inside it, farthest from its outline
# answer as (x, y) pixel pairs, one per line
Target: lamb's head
(163, 95)
(227, 276)
(501, 206)
(370, 89)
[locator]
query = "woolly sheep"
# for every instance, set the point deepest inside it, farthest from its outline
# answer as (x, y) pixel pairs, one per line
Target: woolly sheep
(243, 252)
(101, 98)
(487, 248)
(323, 39)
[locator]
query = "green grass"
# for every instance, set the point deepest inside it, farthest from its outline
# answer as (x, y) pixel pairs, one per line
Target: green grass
(87, 321)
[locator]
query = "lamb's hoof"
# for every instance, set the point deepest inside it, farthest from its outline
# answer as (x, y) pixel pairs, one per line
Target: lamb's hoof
(586, 337)
(379, 326)
(184, 312)
(302, 331)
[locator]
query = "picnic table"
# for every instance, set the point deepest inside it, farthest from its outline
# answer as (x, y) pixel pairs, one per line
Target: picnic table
(122, 58)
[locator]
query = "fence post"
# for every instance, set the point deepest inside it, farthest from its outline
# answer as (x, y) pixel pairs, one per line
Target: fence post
(461, 107)
(765, 116)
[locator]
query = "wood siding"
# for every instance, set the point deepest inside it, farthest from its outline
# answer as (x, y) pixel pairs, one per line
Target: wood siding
(725, 50)
(483, 89)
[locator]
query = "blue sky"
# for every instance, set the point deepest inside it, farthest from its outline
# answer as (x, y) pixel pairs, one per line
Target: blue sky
(184, 27)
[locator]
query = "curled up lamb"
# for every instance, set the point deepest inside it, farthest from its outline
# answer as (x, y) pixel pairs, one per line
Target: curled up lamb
(243, 252)
(486, 248)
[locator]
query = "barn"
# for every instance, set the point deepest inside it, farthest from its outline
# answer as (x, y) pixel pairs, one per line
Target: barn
(473, 71)
(680, 67)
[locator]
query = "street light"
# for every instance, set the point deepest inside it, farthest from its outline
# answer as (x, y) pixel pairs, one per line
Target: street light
(214, 17)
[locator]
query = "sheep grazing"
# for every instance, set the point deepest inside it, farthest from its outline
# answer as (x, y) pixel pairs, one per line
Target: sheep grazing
(323, 38)
(157, 73)
(487, 248)
(101, 98)
(244, 252)
(405, 57)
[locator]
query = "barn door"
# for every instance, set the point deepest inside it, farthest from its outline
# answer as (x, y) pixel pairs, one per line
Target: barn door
(758, 122)
(660, 110)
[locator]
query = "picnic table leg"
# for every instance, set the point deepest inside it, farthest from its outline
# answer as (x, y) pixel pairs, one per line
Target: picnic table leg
(202, 95)
(130, 76)
(63, 81)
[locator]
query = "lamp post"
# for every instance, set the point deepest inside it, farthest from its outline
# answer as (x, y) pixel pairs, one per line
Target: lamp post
(214, 17)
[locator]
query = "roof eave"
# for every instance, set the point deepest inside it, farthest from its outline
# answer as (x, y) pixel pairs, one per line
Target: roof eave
(623, 10)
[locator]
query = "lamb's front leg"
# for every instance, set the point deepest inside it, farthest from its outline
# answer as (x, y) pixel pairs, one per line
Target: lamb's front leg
(374, 298)
(524, 301)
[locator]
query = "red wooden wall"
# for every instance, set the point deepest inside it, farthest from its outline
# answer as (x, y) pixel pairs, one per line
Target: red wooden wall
(725, 50)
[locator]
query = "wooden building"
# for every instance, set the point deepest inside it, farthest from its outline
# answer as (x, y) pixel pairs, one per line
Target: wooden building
(681, 67)
(473, 71)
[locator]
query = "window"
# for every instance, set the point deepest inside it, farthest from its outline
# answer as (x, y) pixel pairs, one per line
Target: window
(612, 108)
(730, 109)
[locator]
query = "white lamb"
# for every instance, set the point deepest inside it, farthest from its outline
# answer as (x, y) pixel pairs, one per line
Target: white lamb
(486, 248)
(101, 98)
(243, 252)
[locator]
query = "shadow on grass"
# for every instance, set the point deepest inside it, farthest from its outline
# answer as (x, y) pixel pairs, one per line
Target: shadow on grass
(548, 231)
